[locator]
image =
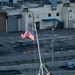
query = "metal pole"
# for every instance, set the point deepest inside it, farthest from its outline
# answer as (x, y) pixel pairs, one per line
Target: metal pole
(52, 49)
(41, 66)
(39, 51)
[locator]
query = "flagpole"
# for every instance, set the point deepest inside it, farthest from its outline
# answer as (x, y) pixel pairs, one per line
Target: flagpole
(52, 49)
(41, 64)
(41, 68)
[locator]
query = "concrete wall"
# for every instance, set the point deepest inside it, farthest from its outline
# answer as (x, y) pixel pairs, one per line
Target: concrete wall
(69, 16)
(19, 24)
(23, 22)
(34, 65)
(14, 1)
(4, 0)
(17, 61)
(41, 13)
(65, 14)
(27, 20)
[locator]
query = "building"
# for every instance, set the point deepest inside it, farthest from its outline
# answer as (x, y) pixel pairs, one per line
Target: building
(10, 19)
(2, 21)
(43, 16)
(68, 17)
(10, 1)
(13, 21)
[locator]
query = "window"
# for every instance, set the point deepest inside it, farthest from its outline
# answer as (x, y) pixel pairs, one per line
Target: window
(57, 14)
(30, 25)
(25, 9)
(70, 11)
(59, 2)
(70, 16)
(72, 56)
(49, 15)
(64, 57)
(56, 57)
(33, 60)
(29, 15)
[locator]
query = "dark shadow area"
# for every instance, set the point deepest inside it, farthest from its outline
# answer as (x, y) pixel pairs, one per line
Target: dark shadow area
(4, 53)
(9, 72)
(26, 47)
(67, 68)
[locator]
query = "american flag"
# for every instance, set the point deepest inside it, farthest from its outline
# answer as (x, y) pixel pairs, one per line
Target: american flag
(29, 34)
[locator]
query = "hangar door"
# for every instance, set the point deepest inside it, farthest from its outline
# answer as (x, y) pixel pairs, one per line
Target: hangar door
(2, 22)
(12, 24)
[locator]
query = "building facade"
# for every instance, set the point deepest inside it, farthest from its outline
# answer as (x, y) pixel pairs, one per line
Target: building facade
(44, 17)
(13, 20)
(11, 1)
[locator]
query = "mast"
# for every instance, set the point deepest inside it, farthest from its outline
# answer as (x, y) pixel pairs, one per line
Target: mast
(52, 49)
(41, 64)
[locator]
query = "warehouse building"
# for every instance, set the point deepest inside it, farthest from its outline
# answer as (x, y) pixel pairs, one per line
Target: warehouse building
(57, 15)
